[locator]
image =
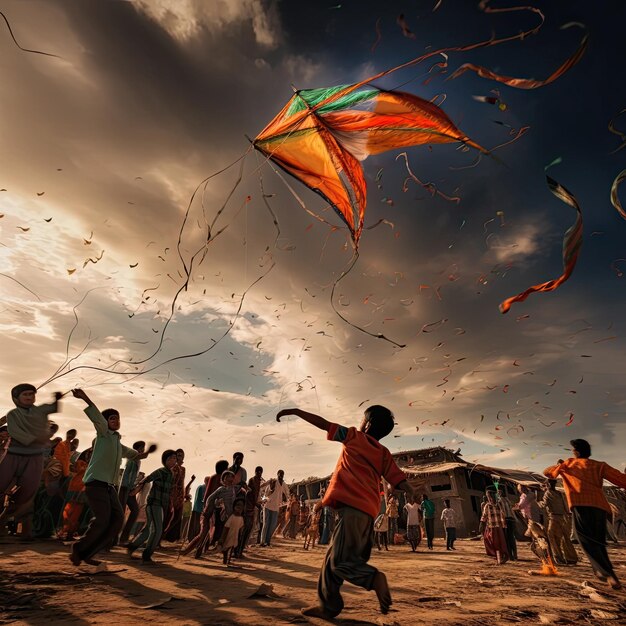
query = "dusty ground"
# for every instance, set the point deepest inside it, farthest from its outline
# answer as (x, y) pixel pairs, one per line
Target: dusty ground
(38, 585)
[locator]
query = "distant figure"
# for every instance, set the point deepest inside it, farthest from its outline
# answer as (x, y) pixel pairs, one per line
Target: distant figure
(354, 493)
(493, 524)
(511, 521)
(413, 519)
(557, 528)
(582, 480)
(428, 511)
(448, 517)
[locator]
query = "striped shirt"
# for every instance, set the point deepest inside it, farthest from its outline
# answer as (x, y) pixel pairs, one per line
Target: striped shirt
(161, 480)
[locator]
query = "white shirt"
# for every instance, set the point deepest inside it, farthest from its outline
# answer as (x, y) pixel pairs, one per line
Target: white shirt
(449, 518)
(275, 498)
(412, 514)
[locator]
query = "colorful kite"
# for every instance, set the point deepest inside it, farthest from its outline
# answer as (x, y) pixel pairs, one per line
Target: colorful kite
(571, 247)
(321, 135)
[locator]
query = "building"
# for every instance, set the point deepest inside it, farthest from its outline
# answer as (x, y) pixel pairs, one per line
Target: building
(444, 475)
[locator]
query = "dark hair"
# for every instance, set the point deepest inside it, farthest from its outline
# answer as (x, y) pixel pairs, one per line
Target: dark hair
(71, 430)
(220, 466)
(166, 455)
(21, 388)
(238, 454)
(180, 450)
(107, 413)
(582, 447)
(552, 483)
(446, 502)
(380, 419)
(257, 468)
(138, 445)
(237, 501)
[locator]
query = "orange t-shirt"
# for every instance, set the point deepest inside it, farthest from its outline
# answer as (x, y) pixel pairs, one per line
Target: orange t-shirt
(582, 481)
(76, 484)
(63, 454)
(356, 479)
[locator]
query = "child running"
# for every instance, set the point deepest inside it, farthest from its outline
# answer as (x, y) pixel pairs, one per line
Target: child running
(354, 492)
(157, 503)
(230, 534)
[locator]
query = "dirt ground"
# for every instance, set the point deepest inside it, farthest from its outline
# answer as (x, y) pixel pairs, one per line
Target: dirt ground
(38, 585)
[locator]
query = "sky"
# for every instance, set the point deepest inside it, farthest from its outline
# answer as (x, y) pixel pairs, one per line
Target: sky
(104, 144)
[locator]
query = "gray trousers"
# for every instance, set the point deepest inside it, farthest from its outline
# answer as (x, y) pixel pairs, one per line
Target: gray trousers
(346, 559)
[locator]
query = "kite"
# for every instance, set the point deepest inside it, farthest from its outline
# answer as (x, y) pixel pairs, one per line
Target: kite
(321, 135)
(572, 243)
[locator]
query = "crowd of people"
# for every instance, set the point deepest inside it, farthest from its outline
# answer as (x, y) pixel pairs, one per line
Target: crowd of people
(50, 488)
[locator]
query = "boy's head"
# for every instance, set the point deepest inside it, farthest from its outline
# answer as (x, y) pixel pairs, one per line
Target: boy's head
(227, 478)
(238, 506)
(221, 466)
(491, 496)
(424, 497)
(238, 458)
(580, 448)
(180, 455)
(447, 503)
(280, 474)
(258, 471)
(70, 434)
(53, 428)
(74, 445)
(140, 446)
(112, 416)
(377, 421)
(168, 458)
(23, 395)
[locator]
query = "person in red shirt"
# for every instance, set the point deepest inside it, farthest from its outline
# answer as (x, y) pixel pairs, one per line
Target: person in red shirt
(354, 493)
(582, 480)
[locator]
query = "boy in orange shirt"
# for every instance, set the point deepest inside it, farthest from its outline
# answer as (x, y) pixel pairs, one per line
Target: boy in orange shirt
(582, 480)
(354, 493)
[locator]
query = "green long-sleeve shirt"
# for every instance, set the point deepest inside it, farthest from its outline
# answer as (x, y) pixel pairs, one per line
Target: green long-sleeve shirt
(108, 451)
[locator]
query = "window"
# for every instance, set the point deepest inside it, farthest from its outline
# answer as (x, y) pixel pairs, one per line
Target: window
(445, 487)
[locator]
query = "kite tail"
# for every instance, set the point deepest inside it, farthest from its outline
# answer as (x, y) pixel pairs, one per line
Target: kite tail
(572, 243)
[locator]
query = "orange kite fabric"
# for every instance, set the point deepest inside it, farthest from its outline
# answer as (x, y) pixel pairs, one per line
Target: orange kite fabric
(321, 135)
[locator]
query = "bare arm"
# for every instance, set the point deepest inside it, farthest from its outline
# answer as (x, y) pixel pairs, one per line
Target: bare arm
(311, 418)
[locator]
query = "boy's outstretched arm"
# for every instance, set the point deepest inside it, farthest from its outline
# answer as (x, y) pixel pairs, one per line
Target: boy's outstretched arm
(311, 418)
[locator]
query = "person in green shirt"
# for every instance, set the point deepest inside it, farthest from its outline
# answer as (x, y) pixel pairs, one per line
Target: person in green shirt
(101, 478)
(428, 510)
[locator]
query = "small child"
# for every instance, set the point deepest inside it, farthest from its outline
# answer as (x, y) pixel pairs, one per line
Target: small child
(448, 517)
(354, 493)
(158, 501)
(230, 533)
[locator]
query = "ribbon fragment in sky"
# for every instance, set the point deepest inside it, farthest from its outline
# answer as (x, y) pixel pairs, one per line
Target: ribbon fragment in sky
(321, 135)
(615, 201)
(524, 83)
(572, 242)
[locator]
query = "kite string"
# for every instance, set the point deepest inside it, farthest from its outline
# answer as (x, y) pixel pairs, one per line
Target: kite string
(344, 273)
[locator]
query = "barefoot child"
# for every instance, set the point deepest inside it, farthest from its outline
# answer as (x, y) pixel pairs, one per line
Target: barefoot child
(157, 503)
(354, 493)
(230, 535)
